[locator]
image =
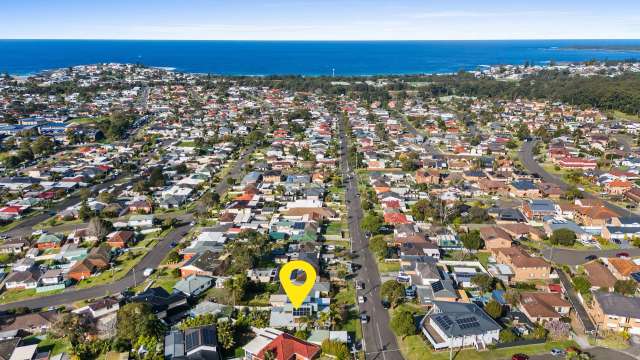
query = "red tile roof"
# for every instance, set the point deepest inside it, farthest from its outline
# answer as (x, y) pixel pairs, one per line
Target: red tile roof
(287, 347)
(395, 218)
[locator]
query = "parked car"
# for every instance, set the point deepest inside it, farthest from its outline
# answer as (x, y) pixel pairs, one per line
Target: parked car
(622, 255)
(359, 285)
(557, 352)
(590, 257)
(147, 272)
(364, 318)
(520, 357)
(386, 304)
(361, 299)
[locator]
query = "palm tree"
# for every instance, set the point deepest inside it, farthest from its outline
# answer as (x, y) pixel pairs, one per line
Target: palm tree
(324, 318)
(335, 315)
(307, 322)
(269, 355)
(236, 288)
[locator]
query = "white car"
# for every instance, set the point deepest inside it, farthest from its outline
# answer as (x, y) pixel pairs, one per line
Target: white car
(360, 299)
(147, 272)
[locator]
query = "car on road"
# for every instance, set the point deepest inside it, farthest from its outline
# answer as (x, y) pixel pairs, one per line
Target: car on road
(147, 272)
(590, 257)
(520, 357)
(385, 304)
(359, 285)
(557, 352)
(364, 318)
(623, 255)
(361, 299)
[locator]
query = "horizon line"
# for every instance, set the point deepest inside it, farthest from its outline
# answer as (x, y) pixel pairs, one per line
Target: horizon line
(316, 40)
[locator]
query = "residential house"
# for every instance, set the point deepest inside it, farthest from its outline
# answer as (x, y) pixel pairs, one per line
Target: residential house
(206, 263)
(615, 312)
(193, 285)
(192, 344)
(455, 324)
(599, 276)
(543, 306)
(273, 344)
(495, 237)
(121, 239)
(525, 267)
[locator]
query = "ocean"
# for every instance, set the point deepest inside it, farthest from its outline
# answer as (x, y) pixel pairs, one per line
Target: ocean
(309, 58)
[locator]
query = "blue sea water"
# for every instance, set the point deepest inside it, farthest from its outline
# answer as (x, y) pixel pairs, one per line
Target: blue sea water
(304, 57)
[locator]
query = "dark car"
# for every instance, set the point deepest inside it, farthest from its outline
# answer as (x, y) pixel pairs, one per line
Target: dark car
(590, 257)
(520, 357)
(622, 255)
(386, 304)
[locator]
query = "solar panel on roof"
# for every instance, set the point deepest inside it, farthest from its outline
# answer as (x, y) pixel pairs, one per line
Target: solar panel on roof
(444, 322)
(209, 336)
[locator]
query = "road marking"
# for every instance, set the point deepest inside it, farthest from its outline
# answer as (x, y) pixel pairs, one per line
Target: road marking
(380, 338)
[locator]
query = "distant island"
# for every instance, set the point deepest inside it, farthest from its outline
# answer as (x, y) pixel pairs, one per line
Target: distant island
(602, 47)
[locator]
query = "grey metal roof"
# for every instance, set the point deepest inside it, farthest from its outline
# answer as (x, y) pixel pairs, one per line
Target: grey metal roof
(619, 305)
(462, 319)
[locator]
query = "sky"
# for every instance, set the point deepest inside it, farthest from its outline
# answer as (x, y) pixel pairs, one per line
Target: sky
(320, 19)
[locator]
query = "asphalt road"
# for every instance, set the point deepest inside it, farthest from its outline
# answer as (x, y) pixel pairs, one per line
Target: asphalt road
(25, 228)
(577, 257)
(378, 340)
(526, 156)
(151, 260)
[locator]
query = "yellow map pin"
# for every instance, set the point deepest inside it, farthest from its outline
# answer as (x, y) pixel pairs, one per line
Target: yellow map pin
(297, 292)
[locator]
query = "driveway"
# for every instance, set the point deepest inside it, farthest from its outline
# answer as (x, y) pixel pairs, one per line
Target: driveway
(585, 320)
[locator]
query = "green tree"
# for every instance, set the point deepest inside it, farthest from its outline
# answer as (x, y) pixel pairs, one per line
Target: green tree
(625, 287)
(371, 222)
(236, 286)
(422, 210)
(72, 327)
(507, 336)
(403, 324)
(471, 240)
(494, 309)
(137, 319)
(84, 212)
(393, 292)
(581, 284)
(378, 246)
(106, 197)
(484, 282)
(225, 330)
(42, 145)
(563, 237)
(156, 177)
(200, 320)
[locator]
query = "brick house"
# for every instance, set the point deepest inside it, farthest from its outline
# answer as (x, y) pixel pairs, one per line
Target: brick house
(616, 312)
(525, 267)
